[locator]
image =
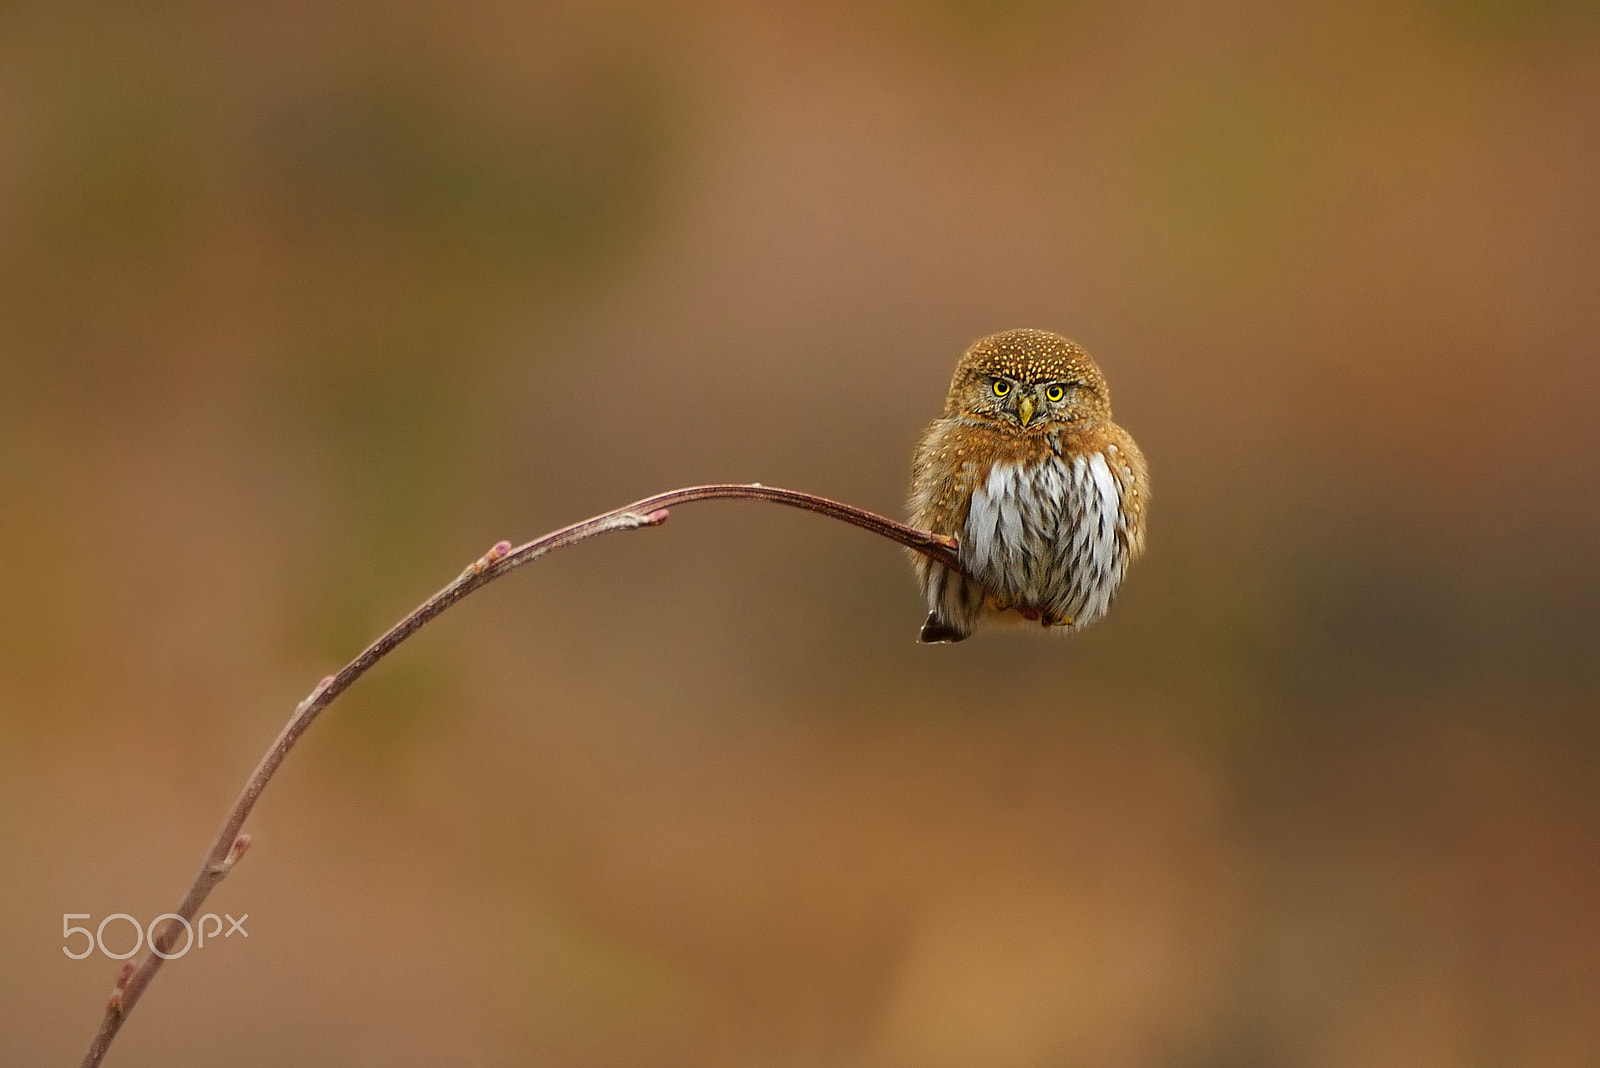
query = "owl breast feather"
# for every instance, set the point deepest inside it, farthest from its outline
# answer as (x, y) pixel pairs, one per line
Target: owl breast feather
(1044, 536)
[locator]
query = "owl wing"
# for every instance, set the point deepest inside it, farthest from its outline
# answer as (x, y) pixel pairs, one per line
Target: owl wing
(1133, 477)
(943, 475)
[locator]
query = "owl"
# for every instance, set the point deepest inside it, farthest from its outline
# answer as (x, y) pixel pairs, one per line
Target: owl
(1045, 495)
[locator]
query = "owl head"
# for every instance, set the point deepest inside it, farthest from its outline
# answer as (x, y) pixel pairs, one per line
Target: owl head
(1029, 381)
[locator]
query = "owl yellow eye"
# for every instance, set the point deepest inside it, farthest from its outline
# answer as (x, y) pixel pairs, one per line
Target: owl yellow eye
(1054, 393)
(1001, 387)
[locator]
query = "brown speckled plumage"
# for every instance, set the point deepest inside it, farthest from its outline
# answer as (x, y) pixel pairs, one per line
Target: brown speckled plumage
(1044, 492)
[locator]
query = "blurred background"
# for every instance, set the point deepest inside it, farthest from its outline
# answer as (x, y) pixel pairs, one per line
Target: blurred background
(303, 306)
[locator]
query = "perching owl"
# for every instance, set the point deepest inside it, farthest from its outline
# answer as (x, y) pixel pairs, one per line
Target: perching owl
(1045, 495)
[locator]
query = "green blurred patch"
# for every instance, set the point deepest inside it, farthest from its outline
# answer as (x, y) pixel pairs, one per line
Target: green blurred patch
(1001, 39)
(589, 988)
(1223, 156)
(413, 221)
(982, 22)
(1516, 21)
(412, 698)
(393, 446)
(117, 170)
(468, 191)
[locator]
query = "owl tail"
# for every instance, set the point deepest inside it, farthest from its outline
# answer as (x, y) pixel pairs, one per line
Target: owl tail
(953, 605)
(937, 630)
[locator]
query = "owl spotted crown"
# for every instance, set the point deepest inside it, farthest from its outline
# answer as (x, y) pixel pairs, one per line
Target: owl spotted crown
(1043, 492)
(1027, 356)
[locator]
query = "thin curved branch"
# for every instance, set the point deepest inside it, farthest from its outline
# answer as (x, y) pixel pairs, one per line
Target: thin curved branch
(230, 844)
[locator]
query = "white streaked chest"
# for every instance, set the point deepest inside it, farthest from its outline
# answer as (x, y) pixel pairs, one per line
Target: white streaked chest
(1047, 532)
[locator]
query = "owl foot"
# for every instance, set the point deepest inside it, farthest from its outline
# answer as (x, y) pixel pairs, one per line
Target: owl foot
(936, 630)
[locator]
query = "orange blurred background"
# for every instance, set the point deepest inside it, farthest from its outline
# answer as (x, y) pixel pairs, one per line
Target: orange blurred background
(303, 306)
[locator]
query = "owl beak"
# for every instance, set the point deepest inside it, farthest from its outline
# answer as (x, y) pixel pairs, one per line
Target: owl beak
(1025, 410)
